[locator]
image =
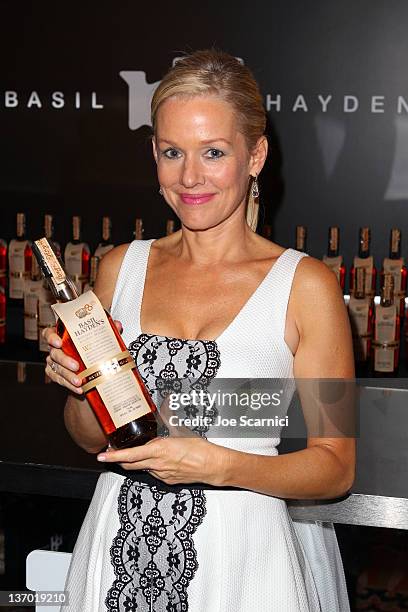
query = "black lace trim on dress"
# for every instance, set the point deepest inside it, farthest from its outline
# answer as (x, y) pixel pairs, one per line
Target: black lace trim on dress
(153, 554)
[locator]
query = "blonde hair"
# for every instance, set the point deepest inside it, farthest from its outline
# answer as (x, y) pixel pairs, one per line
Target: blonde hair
(214, 72)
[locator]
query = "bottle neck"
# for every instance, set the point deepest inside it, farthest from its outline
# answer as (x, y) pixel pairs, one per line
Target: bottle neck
(333, 244)
(395, 244)
(64, 292)
(364, 243)
(48, 227)
(301, 238)
(60, 284)
(21, 226)
(106, 231)
(76, 230)
(363, 253)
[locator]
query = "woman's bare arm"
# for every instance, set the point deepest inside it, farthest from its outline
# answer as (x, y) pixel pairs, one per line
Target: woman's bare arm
(325, 468)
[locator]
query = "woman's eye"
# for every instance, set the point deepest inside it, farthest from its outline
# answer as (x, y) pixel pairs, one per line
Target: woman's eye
(214, 154)
(171, 153)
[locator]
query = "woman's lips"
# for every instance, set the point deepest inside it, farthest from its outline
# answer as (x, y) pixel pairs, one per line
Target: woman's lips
(194, 199)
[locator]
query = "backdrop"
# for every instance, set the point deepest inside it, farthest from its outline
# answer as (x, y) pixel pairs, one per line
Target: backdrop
(76, 80)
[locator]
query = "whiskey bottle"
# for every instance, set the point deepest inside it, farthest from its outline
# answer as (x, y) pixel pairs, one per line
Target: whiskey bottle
(106, 244)
(46, 316)
(138, 233)
(49, 232)
(333, 260)
(385, 353)
(3, 305)
(20, 256)
(77, 255)
(32, 289)
(92, 274)
(366, 261)
(361, 312)
(301, 237)
(111, 382)
(3, 263)
(394, 264)
(170, 227)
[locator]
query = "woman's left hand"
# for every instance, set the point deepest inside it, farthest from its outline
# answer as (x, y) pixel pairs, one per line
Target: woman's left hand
(174, 460)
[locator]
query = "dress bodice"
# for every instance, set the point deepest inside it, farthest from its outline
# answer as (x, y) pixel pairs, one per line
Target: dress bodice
(251, 347)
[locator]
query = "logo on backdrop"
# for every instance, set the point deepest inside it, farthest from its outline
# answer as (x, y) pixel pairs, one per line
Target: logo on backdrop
(140, 95)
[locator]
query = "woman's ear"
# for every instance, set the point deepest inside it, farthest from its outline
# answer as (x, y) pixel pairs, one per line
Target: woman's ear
(155, 155)
(258, 156)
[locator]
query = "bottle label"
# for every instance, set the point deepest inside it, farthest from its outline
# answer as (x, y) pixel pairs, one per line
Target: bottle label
(368, 264)
(73, 263)
(46, 316)
(385, 344)
(17, 274)
(334, 263)
(31, 294)
(102, 250)
(394, 267)
(107, 367)
(359, 311)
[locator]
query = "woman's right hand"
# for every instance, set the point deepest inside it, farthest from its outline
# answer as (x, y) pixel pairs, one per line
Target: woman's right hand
(61, 368)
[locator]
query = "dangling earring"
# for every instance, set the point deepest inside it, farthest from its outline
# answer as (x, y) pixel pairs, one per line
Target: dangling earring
(160, 191)
(255, 187)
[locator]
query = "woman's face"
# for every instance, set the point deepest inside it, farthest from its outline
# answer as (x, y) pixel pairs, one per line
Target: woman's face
(203, 161)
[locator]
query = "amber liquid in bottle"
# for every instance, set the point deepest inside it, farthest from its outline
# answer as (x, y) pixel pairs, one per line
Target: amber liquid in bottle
(134, 433)
(3, 263)
(3, 303)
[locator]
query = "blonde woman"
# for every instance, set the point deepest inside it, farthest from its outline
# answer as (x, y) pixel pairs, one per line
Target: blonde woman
(212, 300)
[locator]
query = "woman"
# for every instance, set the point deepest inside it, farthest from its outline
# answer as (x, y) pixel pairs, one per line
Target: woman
(212, 300)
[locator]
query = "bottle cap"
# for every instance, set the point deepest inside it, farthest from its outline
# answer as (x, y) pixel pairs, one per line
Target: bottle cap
(106, 228)
(301, 234)
(76, 227)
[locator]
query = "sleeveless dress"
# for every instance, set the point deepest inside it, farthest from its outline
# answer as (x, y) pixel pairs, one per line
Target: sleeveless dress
(147, 547)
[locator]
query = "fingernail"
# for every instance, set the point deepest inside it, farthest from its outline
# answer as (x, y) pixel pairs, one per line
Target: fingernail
(76, 381)
(57, 343)
(73, 365)
(101, 457)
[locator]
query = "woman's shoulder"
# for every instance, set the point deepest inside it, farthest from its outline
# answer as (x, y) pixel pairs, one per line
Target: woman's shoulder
(108, 272)
(313, 275)
(316, 293)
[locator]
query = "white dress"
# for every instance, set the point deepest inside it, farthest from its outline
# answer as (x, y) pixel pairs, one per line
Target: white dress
(144, 548)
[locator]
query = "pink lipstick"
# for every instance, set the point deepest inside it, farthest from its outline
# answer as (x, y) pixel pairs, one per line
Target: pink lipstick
(195, 199)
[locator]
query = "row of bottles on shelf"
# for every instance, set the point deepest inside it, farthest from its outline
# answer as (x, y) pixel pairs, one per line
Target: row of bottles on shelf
(376, 322)
(25, 283)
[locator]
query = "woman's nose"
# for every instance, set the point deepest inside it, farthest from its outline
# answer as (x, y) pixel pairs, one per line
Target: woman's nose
(192, 173)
